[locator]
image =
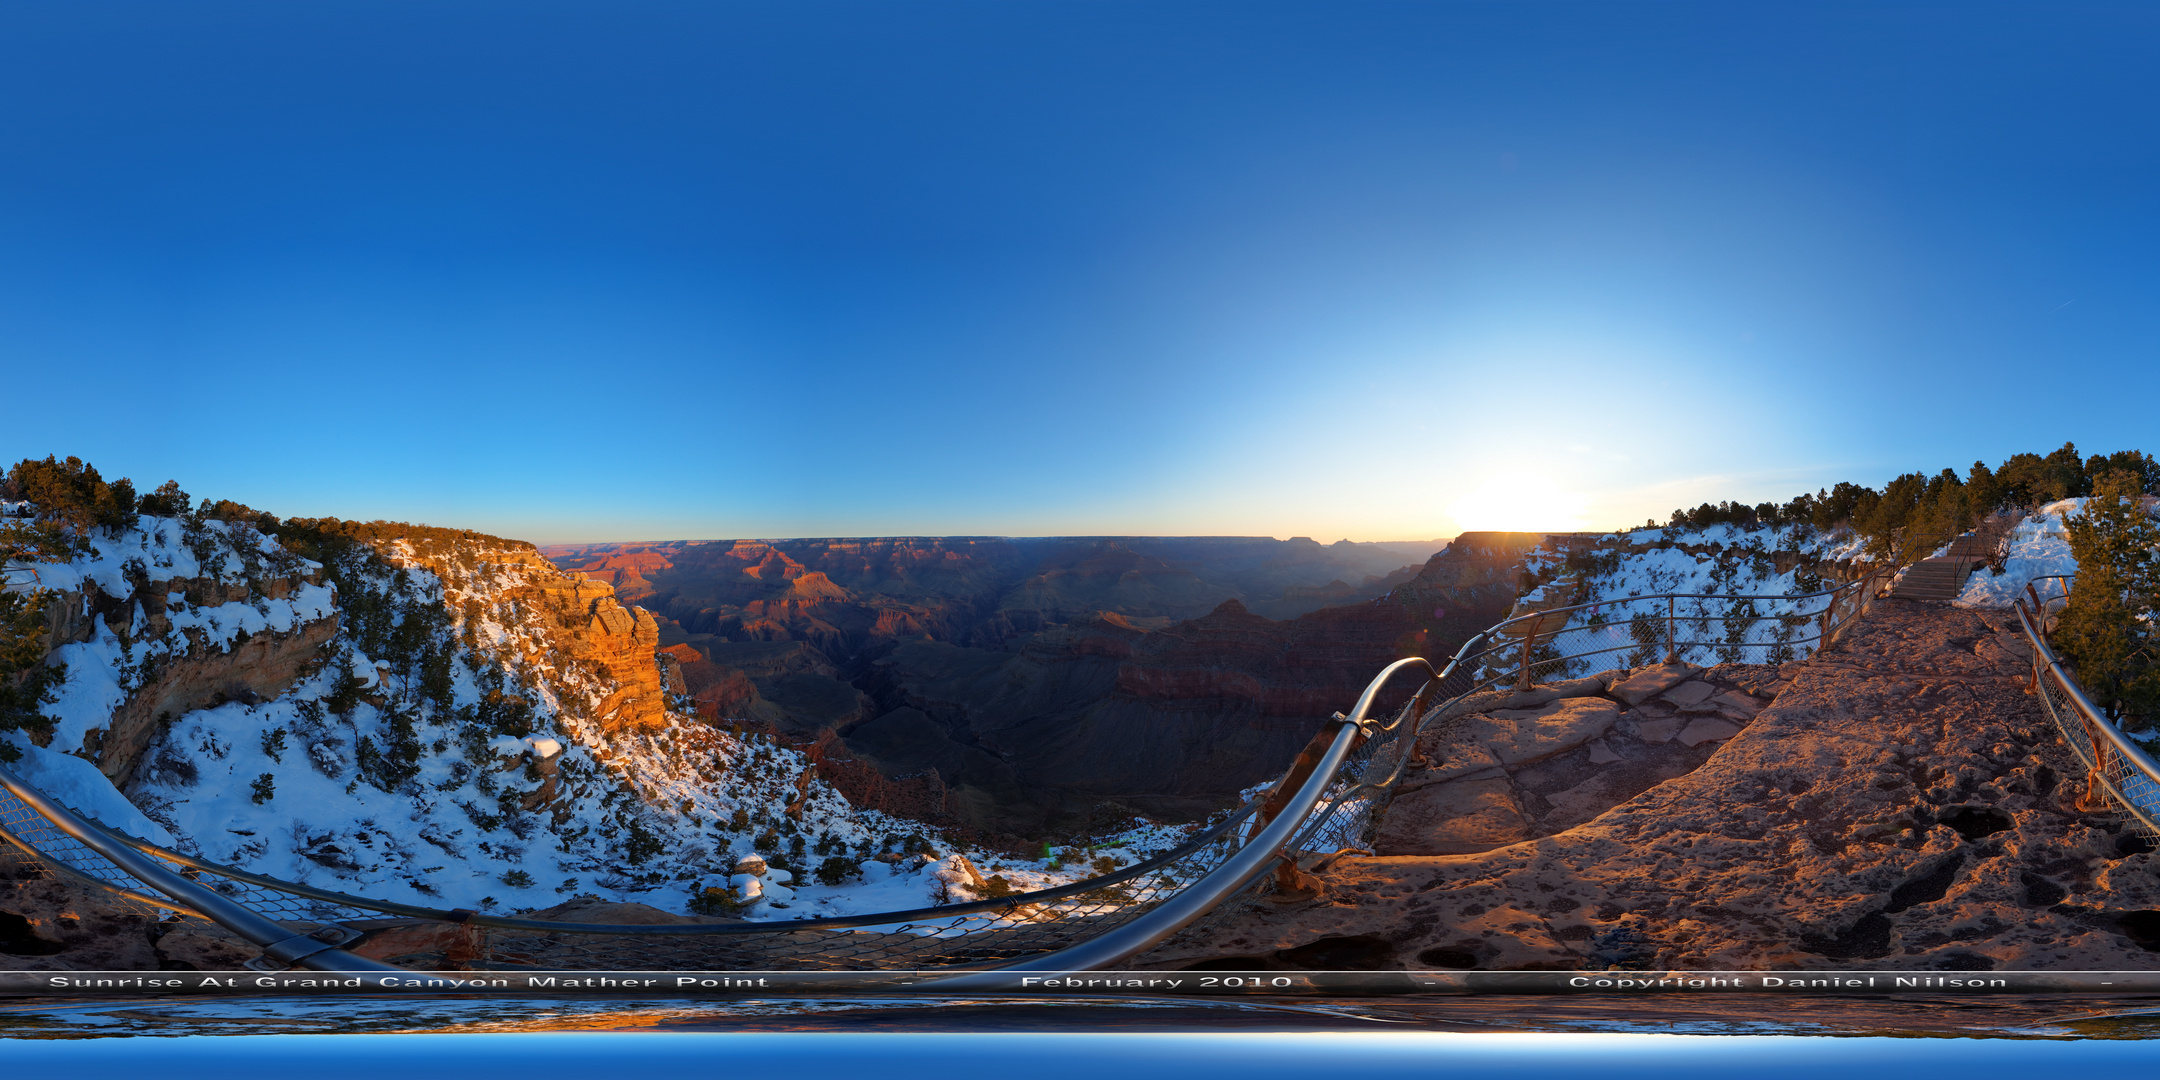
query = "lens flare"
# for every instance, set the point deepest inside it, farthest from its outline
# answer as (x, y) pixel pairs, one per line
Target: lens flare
(1519, 502)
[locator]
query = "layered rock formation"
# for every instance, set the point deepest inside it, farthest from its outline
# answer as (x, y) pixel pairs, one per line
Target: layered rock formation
(257, 669)
(201, 671)
(1039, 678)
(1900, 802)
(1172, 722)
(846, 596)
(590, 624)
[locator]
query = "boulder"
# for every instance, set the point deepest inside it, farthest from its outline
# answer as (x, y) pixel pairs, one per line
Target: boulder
(1737, 706)
(1516, 736)
(1707, 729)
(1690, 696)
(1473, 814)
(1646, 683)
(1657, 731)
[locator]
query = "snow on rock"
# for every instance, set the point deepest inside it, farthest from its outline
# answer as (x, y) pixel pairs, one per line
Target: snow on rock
(78, 785)
(1737, 579)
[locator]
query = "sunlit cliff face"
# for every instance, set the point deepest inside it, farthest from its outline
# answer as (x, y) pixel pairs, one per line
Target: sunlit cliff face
(1519, 502)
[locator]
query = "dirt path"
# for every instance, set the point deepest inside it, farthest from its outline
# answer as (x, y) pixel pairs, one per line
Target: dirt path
(1901, 803)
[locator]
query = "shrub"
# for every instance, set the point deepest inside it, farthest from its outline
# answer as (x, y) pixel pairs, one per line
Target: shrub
(518, 879)
(714, 900)
(27, 684)
(265, 788)
(641, 845)
(167, 501)
(836, 870)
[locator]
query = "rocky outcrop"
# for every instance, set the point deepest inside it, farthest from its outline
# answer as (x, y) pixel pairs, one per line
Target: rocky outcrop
(1900, 802)
(47, 924)
(589, 624)
(207, 673)
(1465, 588)
(1526, 766)
(257, 669)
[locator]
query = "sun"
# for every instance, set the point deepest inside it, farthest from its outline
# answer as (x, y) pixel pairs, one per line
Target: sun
(1519, 502)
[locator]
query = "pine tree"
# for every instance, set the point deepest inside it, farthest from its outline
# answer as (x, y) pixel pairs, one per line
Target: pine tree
(26, 682)
(2106, 632)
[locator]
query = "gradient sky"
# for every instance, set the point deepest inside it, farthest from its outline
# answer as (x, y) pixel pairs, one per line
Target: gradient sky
(576, 272)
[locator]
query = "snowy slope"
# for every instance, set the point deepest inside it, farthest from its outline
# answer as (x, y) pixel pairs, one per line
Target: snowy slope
(2039, 548)
(444, 750)
(1734, 574)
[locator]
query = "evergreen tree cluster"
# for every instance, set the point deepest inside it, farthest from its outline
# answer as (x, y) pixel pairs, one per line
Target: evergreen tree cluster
(1940, 505)
(317, 534)
(26, 682)
(71, 500)
(2107, 632)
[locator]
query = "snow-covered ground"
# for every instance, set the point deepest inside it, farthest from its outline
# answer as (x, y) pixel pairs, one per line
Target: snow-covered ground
(1741, 607)
(400, 775)
(2039, 548)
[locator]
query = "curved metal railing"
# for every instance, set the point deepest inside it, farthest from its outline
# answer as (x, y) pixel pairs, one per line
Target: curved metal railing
(104, 859)
(1105, 918)
(264, 911)
(2048, 595)
(2119, 774)
(1543, 648)
(1087, 924)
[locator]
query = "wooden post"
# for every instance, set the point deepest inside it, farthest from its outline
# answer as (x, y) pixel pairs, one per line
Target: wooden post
(1672, 635)
(1292, 883)
(2096, 798)
(1522, 677)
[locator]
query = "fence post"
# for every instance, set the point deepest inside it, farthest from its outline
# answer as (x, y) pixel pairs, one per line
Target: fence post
(1522, 678)
(1672, 638)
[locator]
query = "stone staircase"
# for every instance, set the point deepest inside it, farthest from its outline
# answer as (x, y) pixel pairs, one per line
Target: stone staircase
(1942, 577)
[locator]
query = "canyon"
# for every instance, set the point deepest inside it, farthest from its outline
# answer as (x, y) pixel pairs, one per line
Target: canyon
(1047, 681)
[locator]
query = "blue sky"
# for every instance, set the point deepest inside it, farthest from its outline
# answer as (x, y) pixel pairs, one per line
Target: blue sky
(577, 272)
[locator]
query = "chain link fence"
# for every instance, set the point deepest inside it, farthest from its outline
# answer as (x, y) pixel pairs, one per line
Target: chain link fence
(2119, 775)
(1561, 644)
(979, 933)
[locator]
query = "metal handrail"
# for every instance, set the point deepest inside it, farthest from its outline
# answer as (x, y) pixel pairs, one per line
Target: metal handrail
(414, 912)
(1303, 816)
(1241, 870)
(1190, 903)
(2105, 748)
(316, 950)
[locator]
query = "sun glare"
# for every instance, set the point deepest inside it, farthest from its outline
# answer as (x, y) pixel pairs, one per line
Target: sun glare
(1519, 502)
